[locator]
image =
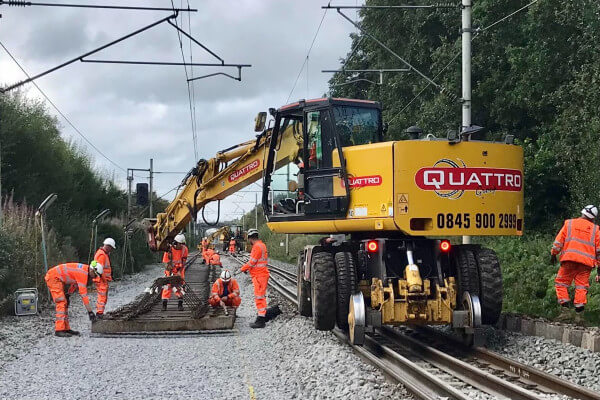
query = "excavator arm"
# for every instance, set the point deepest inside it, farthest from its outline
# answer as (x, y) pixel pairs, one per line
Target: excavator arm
(215, 179)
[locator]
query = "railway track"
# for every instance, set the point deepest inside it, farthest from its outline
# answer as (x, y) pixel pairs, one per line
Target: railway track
(432, 365)
(280, 279)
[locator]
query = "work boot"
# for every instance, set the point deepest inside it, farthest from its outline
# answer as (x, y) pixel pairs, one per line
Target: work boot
(62, 334)
(564, 315)
(259, 323)
(164, 305)
(180, 305)
(72, 332)
(272, 313)
(579, 318)
(99, 315)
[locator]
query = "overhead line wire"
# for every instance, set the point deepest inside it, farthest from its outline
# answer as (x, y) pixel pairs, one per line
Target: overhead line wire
(60, 112)
(188, 89)
(477, 32)
(307, 55)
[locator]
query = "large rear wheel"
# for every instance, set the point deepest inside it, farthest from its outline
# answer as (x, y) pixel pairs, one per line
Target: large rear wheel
(323, 288)
(467, 271)
(346, 285)
(303, 290)
(490, 285)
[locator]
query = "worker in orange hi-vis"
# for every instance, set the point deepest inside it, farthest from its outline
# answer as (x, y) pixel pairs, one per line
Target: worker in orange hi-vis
(174, 260)
(225, 291)
(578, 244)
(232, 246)
(215, 259)
(207, 254)
(70, 274)
(204, 243)
(259, 271)
(101, 282)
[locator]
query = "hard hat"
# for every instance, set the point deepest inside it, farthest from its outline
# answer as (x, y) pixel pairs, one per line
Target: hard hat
(226, 275)
(97, 267)
(252, 232)
(110, 242)
(590, 211)
(180, 238)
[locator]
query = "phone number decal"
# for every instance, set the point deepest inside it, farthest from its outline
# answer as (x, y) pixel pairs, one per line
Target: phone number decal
(479, 221)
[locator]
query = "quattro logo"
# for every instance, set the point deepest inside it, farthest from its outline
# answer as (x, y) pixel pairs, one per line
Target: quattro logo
(449, 180)
(356, 182)
(234, 176)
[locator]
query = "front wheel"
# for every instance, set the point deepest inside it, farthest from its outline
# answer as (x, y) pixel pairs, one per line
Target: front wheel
(323, 288)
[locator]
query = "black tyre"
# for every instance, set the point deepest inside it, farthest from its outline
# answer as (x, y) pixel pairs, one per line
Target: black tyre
(490, 285)
(303, 290)
(345, 267)
(467, 271)
(323, 289)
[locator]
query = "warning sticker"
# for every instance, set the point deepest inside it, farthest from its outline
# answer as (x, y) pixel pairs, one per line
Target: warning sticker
(403, 203)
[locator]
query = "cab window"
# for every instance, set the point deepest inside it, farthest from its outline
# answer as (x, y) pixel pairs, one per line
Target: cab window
(356, 125)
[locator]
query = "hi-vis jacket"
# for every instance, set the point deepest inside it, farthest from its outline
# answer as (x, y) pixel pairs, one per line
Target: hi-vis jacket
(73, 274)
(257, 264)
(578, 241)
(233, 288)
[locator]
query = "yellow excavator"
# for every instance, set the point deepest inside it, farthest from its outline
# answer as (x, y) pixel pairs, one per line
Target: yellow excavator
(387, 206)
(219, 237)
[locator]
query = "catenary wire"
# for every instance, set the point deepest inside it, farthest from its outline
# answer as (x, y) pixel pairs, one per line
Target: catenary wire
(477, 32)
(188, 89)
(307, 55)
(60, 112)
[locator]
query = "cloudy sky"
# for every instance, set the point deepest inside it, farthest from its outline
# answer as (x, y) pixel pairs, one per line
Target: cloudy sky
(134, 113)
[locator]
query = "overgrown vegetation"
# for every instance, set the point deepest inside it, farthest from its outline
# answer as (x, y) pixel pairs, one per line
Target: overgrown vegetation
(37, 161)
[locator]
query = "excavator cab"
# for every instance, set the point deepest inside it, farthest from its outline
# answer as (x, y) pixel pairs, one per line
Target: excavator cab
(314, 184)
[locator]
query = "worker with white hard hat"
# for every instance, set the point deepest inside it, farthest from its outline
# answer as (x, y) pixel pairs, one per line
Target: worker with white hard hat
(258, 268)
(225, 291)
(77, 276)
(174, 259)
(578, 244)
(102, 257)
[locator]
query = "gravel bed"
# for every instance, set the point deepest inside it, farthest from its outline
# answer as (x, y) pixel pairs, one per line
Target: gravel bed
(566, 361)
(287, 359)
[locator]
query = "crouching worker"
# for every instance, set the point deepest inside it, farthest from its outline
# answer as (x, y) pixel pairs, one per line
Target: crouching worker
(70, 274)
(225, 291)
(215, 259)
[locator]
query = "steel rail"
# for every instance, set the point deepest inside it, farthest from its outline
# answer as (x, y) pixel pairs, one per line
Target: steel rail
(415, 379)
(539, 377)
(479, 379)
(276, 284)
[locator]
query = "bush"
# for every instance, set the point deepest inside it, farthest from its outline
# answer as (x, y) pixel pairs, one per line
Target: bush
(529, 280)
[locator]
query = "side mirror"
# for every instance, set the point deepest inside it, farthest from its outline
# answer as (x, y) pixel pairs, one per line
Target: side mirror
(259, 121)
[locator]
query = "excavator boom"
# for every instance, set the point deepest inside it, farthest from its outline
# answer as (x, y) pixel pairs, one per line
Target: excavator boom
(228, 172)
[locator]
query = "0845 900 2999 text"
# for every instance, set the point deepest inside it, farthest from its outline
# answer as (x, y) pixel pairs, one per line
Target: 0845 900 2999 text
(479, 220)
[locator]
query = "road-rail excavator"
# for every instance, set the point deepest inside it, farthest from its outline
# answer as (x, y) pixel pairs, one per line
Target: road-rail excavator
(387, 206)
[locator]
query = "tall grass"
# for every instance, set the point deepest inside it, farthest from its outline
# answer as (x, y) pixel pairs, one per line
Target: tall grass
(21, 258)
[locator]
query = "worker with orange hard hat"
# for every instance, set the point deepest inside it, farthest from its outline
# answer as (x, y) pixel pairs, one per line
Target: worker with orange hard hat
(174, 260)
(225, 291)
(578, 244)
(74, 275)
(102, 257)
(257, 265)
(232, 246)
